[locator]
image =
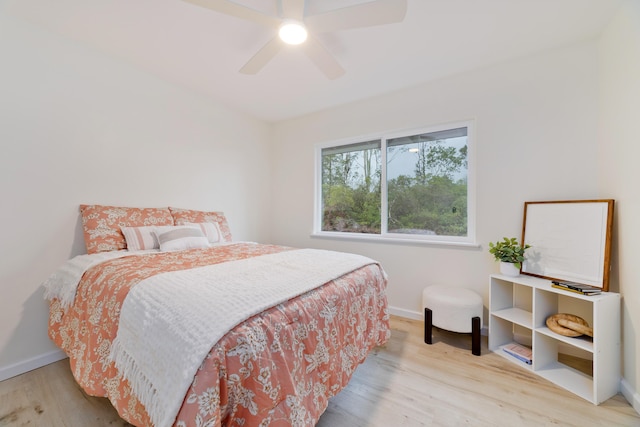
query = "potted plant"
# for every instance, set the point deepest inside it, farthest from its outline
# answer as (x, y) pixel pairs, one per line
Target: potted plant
(510, 253)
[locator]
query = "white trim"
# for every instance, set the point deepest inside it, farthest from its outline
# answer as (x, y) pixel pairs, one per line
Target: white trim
(384, 197)
(468, 240)
(407, 314)
(317, 188)
(30, 364)
(377, 238)
(632, 396)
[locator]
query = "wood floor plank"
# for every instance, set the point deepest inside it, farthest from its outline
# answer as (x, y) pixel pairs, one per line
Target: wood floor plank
(406, 383)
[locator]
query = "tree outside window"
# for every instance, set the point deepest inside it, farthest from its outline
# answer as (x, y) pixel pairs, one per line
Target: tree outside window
(422, 192)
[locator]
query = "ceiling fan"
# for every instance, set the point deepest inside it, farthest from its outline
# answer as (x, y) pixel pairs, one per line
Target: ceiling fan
(294, 27)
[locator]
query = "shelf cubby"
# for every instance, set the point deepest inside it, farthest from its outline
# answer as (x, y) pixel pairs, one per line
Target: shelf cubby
(588, 367)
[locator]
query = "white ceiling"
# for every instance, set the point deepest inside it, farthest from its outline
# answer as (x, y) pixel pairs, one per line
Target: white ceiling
(203, 50)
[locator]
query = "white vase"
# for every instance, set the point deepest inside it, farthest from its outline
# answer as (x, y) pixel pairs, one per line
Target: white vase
(508, 269)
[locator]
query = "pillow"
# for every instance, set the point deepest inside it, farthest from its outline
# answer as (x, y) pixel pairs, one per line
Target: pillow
(140, 238)
(182, 216)
(102, 224)
(181, 238)
(211, 230)
(145, 238)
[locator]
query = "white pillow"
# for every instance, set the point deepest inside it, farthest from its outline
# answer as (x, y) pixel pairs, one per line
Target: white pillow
(140, 238)
(181, 238)
(211, 230)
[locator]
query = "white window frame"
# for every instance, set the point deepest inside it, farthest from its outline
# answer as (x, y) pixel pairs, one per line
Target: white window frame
(384, 236)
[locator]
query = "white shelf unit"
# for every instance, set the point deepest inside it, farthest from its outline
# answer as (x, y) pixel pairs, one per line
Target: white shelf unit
(519, 307)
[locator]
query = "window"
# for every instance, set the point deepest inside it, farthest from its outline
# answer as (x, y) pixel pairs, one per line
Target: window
(412, 185)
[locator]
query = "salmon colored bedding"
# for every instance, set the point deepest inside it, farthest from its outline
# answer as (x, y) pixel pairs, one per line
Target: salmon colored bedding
(278, 368)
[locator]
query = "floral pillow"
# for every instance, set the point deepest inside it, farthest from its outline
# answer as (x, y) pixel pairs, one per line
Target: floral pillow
(186, 216)
(102, 224)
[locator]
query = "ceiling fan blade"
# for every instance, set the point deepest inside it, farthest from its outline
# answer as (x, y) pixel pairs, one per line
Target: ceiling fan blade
(293, 9)
(230, 8)
(323, 59)
(378, 12)
(262, 57)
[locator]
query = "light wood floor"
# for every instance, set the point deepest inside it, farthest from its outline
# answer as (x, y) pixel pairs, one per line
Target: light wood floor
(405, 383)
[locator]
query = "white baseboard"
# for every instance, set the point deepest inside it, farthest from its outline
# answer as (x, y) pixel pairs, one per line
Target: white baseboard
(407, 314)
(632, 396)
(36, 362)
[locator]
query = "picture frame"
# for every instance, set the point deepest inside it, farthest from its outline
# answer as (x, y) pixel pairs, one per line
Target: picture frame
(570, 240)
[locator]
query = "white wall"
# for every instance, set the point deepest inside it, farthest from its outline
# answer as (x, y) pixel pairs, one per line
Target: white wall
(536, 136)
(620, 174)
(78, 127)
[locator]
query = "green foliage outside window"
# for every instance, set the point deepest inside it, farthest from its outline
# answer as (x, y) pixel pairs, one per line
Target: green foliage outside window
(426, 187)
(351, 194)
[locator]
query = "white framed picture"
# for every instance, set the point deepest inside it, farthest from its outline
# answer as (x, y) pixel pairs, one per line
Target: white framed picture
(570, 240)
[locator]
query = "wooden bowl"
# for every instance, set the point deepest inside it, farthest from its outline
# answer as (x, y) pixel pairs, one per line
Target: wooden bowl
(568, 325)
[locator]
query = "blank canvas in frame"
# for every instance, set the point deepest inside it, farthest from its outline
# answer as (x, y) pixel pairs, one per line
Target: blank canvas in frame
(570, 240)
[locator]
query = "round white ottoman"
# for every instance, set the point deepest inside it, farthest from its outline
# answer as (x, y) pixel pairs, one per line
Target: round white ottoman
(454, 309)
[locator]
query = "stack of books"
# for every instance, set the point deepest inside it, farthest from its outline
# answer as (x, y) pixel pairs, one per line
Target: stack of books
(578, 288)
(520, 352)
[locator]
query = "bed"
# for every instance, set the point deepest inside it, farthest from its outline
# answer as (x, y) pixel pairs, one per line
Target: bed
(282, 331)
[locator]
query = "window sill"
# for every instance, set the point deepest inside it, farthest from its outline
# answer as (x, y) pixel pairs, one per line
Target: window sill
(392, 240)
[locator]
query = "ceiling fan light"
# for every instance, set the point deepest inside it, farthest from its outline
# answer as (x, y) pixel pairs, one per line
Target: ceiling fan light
(292, 32)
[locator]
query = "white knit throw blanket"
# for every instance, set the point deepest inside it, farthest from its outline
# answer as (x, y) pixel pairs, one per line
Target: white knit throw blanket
(63, 283)
(170, 322)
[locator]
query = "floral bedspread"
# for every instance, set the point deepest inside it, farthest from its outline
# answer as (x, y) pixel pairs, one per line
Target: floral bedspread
(278, 368)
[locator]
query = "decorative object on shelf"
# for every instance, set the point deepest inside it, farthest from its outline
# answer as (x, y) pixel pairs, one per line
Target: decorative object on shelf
(520, 352)
(571, 240)
(569, 325)
(576, 287)
(509, 269)
(510, 253)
